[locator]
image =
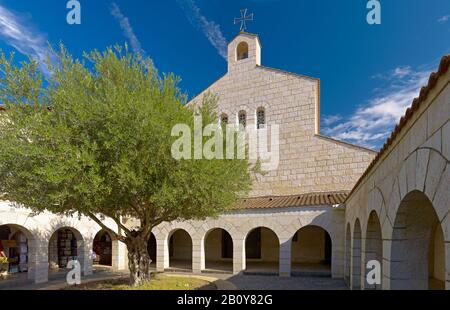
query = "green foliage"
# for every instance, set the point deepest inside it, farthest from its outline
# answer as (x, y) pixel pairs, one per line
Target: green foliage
(95, 137)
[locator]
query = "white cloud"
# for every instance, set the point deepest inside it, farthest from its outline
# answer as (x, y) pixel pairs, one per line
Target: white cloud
(209, 28)
(331, 119)
(373, 122)
(127, 29)
(444, 19)
(15, 32)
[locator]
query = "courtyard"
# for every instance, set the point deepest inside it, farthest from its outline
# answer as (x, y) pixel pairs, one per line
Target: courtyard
(241, 282)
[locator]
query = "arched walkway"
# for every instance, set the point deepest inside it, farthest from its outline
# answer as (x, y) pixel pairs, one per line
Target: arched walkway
(65, 244)
(356, 257)
(103, 249)
(262, 251)
(418, 249)
(16, 244)
(311, 252)
(180, 250)
(348, 253)
(151, 248)
(218, 247)
(373, 248)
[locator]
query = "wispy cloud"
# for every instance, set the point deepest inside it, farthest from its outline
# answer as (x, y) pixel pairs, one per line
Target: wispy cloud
(209, 28)
(444, 19)
(331, 119)
(16, 31)
(127, 29)
(373, 121)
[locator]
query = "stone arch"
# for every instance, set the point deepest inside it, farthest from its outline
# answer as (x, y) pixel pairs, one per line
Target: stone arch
(106, 249)
(418, 247)
(356, 256)
(217, 245)
(180, 249)
(311, 251)
(152, 249)
(66, 243)
(425, 170)
(242, 51)
(373, 247)
(262, 251)
(25, 249)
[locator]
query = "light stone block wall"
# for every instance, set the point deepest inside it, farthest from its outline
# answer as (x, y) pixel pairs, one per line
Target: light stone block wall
(418, 161)
(308, 162)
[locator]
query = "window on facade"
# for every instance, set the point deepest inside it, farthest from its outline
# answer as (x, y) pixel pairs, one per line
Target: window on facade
(242, 118)
(224, 119)
(242, 51)
(261, 118)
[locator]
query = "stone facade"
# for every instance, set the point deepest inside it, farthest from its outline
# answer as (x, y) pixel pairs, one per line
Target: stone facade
(308, 162)
(399, 211)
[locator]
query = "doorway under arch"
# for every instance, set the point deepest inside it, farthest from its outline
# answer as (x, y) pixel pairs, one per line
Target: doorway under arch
(418, 248)
(262, 252)
(218, 248)
(16, 245)
(180, 250)
(65, 244)
(348, 253)
(103, 249)
(356, 257)
(311, 252)
(373, 248)
(152, 250)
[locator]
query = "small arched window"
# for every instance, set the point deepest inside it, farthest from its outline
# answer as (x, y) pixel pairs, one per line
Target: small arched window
(242, 116)
(242, 51)
(260, 118)
(224, 119)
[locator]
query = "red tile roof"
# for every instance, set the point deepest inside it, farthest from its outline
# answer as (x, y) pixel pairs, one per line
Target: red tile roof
(303, 200)
(432, 82)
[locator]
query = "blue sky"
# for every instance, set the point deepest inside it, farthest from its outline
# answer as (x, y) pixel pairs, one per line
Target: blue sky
(369, 74)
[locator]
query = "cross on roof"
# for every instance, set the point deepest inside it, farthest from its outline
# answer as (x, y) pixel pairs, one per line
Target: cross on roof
(243, 19)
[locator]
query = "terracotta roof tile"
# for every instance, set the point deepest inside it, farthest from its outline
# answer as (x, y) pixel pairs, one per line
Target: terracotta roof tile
(432, 82)
(303, 200)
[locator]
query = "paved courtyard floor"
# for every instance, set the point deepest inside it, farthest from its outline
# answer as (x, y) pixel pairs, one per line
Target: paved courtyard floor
(242, 282)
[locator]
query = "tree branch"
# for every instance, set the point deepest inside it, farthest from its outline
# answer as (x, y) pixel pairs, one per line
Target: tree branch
(104, 227)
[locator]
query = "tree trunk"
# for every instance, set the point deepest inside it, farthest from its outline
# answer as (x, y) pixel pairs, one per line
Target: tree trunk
(138, 261)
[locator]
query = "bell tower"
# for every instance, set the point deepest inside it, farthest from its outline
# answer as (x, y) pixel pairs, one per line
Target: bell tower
(244, 51)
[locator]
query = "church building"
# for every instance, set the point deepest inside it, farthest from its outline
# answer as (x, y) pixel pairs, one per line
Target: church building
(328, 209)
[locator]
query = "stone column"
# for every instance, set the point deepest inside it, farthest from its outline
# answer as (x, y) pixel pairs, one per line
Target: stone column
(38, 261)
(198, 255)
(86, 258)
(355, 279)
(238, 255)
(285, 257)
(162, 253)
(386, 265)
(447, 265)
(121, 256)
